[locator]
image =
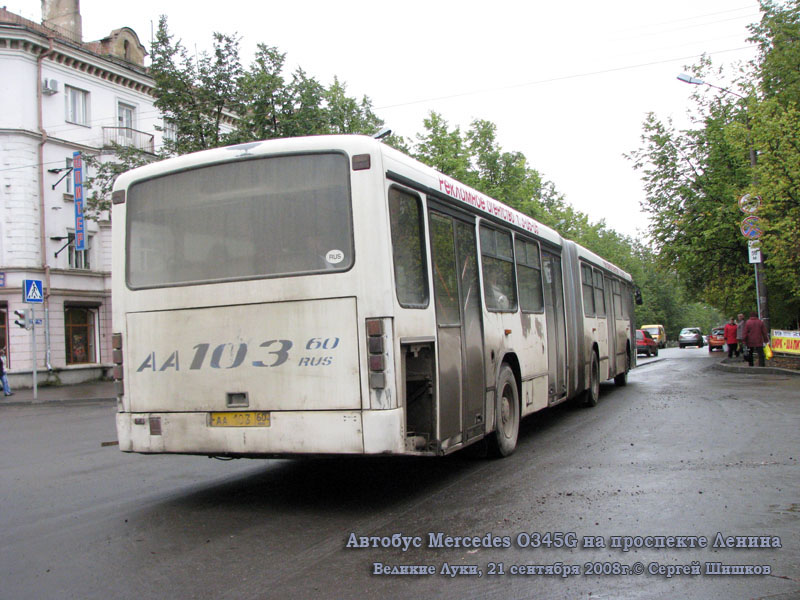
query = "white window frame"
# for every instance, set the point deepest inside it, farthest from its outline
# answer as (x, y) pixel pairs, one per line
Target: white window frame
(125, 131)
(79, 260)
(76, 112)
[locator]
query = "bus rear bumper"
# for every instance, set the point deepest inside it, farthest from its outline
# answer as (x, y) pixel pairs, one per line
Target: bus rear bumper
(289, 433)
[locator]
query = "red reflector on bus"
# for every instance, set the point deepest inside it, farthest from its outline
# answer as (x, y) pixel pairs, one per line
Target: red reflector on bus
(376, 362)
(374, 327)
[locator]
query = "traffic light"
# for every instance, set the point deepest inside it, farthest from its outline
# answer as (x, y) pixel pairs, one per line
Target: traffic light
(24, 320)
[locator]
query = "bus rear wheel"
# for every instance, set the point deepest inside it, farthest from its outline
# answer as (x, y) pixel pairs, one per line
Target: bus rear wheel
(593, 393)
(506, 413)
(622, 378)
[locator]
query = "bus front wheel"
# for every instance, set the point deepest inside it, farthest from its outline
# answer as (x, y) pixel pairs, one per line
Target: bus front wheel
(506, 417)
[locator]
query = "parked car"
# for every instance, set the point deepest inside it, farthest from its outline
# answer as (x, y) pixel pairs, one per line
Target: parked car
(690, 336)
(658, 333)
(645, 344)
(716, 340)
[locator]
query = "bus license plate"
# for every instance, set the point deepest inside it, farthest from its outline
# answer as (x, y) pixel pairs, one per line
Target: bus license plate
(240, 419)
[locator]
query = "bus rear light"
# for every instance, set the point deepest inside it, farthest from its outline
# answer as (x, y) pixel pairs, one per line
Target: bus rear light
(376, 347)
(377, 381)
(361, 162)
(118, 359)
(376, 362)
(374, 327)
(155, 425)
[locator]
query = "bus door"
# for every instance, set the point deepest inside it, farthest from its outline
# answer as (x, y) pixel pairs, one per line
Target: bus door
(459, 327)
(612, 326)
(556, 327)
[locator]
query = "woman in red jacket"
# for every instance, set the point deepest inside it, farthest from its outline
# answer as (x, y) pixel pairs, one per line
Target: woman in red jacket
(730, 338)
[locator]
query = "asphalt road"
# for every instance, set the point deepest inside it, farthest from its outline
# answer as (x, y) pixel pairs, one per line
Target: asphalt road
(683, 450)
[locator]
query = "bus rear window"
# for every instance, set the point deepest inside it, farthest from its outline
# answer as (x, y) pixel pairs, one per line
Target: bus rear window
(268, 217)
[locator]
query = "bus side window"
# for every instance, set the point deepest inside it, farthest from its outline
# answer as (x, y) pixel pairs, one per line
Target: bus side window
(499, 290)
(599, 294)
(529, 276)
(408, 249)
(588, 290)
(618, 307)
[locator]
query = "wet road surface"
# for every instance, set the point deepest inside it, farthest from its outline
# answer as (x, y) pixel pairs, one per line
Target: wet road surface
(683, 450)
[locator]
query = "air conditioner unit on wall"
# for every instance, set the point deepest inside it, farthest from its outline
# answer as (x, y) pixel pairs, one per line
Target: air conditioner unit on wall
(50, 87)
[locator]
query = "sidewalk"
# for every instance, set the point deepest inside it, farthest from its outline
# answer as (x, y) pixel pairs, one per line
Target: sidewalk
(737, 365)
(94, 391)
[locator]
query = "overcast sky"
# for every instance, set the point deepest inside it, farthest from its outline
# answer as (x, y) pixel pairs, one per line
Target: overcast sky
(568, 84)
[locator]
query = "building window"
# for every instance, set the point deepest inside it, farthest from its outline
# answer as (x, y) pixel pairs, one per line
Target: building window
(79, 329)
(77, 105)
(69, 177)
(170, 130)
(125, 123)
(79, 259)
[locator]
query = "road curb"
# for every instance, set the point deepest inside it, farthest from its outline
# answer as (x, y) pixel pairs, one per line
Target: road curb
(649, 362)
(30, 401)
(756, 370)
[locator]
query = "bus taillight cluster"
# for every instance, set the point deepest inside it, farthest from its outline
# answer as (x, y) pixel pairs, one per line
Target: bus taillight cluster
(116, 347)
(377, 365)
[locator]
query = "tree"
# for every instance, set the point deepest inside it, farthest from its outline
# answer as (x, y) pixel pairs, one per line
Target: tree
(209, 100)
(104, 172)
(442, 149)
(199, 97)
(694, 178)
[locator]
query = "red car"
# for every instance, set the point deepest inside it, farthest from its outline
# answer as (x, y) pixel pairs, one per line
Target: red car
(645, 344)
(716, 339)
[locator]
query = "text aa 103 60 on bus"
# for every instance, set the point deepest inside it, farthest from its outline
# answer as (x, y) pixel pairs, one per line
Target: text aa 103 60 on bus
(330, 295)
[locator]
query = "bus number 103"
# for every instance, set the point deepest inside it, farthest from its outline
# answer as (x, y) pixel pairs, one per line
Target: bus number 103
(231, 356)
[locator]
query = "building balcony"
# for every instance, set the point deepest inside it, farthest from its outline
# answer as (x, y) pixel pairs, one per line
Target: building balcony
(131, 138)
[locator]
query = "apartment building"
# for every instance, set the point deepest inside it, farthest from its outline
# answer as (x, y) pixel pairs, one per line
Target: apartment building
(62, 96)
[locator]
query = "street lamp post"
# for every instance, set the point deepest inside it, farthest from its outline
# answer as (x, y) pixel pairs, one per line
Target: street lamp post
(761, 285)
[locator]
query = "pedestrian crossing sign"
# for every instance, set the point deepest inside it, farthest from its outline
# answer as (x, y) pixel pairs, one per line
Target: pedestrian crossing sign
(32, 291)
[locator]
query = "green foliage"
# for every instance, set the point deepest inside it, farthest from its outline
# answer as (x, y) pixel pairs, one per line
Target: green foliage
(744, 141)
(198, 96)
(104, 172)
(477, 159)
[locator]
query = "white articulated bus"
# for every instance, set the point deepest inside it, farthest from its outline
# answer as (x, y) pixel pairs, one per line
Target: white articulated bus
(331, 295)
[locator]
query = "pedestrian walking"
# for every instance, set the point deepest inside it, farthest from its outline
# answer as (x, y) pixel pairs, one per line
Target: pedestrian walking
(730, 338)
(755, 336)
(740, 349)
(3, 375)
